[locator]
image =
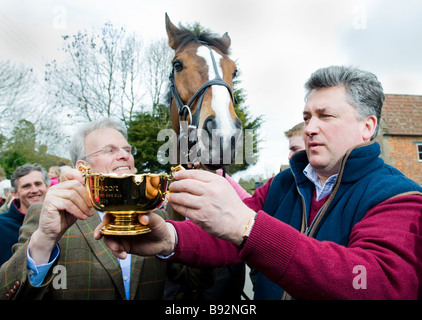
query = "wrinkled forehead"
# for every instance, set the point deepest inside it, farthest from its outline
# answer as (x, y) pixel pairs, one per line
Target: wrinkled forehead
(100, 138)
(32, 177)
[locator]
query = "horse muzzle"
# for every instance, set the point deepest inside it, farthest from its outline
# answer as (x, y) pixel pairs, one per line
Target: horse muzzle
(218, 146)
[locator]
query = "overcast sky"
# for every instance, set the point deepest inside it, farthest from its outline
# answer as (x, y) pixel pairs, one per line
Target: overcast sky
(277, 44)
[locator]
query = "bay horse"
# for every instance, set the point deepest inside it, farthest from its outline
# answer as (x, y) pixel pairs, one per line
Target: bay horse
(202, 112)
(202, 99)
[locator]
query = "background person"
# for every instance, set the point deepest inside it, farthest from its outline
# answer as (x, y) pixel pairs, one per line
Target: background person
(54, 174)
(8, 199)
(4, 183)
(295, 137)
(30, 184)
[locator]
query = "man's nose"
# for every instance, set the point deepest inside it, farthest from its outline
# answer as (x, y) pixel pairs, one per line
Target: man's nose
(311, 127)
(123, 154)
(33, 189)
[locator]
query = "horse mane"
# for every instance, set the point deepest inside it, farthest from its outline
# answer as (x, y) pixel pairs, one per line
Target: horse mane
(187, 36)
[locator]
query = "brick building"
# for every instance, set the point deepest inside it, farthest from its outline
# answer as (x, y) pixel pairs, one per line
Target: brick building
(400, 134)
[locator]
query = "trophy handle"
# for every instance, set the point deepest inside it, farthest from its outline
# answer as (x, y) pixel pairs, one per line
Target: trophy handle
(174, 170)
(84, 170)
(170, 178)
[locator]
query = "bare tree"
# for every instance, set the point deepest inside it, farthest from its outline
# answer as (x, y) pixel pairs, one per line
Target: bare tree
(131, 66)
(100, 76)
(15, 91)
(157, 69)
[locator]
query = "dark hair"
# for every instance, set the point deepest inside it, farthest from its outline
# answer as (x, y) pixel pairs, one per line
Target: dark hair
(25, 170)
(364, 91)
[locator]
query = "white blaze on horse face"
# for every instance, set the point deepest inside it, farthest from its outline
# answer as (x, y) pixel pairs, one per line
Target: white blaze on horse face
(220, 96)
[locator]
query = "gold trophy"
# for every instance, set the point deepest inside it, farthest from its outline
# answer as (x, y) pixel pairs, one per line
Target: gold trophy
(125, 197)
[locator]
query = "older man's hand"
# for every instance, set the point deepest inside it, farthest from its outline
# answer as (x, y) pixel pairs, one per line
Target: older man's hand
(161, 239)
(64, 203)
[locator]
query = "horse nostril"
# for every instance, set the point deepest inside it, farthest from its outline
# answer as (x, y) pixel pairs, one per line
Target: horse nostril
(238, 123)
(210, 124)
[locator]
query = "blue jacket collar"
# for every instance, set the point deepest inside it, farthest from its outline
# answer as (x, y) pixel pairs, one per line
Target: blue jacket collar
(356, 163)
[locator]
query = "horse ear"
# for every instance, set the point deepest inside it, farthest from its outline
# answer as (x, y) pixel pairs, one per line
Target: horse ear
(226, 39)
(172, 32)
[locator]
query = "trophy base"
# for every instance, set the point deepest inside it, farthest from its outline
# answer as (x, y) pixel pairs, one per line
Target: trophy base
(124, 224)
(110, 231)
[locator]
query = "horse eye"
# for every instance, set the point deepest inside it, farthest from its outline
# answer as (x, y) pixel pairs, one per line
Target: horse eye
(235, 73)
(178, 66)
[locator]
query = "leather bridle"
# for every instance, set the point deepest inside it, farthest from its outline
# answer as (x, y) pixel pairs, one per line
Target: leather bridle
(184, 109)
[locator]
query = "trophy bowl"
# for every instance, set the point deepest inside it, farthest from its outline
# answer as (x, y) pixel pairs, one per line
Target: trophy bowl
(125, 197)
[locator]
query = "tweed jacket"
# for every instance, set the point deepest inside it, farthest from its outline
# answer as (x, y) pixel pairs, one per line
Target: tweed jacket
(89, 268)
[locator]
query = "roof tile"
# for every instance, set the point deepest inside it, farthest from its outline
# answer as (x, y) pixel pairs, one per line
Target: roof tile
(402, 114)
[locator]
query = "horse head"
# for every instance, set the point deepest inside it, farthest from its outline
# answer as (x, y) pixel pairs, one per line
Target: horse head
(202, 103)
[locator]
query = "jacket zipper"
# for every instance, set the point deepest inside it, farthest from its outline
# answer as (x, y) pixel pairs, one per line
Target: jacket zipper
(305, 229)
(286, 295)
(309, 230)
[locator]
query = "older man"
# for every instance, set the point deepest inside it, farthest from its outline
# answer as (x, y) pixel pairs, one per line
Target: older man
(62, 243)
(30, 184)
(339, 224)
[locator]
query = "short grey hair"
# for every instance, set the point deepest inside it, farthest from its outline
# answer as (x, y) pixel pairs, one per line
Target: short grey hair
(25, 170)
(77, 145)
(364, 91)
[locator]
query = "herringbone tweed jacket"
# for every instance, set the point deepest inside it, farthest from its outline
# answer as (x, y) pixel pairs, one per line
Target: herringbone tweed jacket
(92, 271)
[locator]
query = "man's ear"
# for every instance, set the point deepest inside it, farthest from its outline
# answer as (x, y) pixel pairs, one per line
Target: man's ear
(370, 127)
(81, 163)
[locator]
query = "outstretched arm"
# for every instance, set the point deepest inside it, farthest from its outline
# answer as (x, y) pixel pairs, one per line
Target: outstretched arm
(210, 202)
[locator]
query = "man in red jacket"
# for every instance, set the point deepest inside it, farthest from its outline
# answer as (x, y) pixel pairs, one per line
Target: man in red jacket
(340, 224)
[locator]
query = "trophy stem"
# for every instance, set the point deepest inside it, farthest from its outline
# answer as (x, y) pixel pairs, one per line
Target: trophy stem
(124, 223)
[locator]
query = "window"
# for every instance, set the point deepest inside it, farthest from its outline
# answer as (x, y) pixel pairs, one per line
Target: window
(419, 149)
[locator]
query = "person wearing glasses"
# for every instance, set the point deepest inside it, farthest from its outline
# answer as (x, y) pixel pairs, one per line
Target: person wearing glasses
(57, 256)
